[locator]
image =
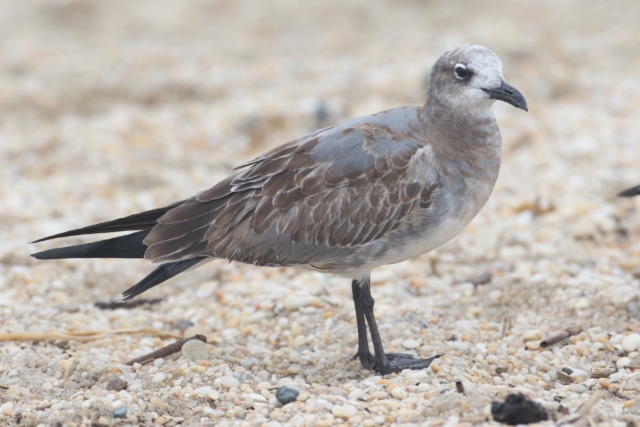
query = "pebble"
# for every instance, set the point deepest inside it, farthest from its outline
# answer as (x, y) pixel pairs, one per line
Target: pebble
(229, 382)
(577, 388)
(631, 342)
(159, 378)
(7, 409)
(202, 391)
(399, 393)
(194, 350)
(379, 395)
(344, 411)
(120, 412)
(533, 345)
(14, 390)
(618, 375)
(410, 344)
(158, 403)
(296, 302)
(213, 395)
(622, 362)
(286, 395)
(533, 335)
(417, 375)
(579, 375)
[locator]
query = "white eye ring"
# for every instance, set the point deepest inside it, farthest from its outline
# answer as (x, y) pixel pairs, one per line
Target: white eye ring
(460, 71)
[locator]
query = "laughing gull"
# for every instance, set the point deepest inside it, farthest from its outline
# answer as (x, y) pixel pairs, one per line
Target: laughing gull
(344, 199)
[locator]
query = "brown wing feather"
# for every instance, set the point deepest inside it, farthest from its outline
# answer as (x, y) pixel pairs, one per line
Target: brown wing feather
(305, 202)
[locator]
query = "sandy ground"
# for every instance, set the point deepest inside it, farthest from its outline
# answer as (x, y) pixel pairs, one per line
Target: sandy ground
(110, 108)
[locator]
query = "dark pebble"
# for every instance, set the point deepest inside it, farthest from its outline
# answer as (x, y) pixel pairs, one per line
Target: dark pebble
(120, 412)
(116, 384)
(183, 324)
(517, 409)
(286, 395)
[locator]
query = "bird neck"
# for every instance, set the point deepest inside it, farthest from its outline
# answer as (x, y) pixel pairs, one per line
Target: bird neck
(468, 128)
(463, 144)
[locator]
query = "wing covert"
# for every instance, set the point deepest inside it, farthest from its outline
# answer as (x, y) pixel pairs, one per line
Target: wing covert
(307, 201)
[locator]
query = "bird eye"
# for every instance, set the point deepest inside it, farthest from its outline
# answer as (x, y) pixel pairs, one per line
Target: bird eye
(460, 71)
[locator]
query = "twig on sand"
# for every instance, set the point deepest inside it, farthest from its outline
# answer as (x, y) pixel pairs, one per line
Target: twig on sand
(84, 335)
(506, 326)
(43, 407)
(112, 305)
(603, 372)
(572, 330)
(165, 351)
(620, 396)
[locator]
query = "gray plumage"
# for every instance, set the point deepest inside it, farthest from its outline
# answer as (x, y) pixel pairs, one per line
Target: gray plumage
(345, 199)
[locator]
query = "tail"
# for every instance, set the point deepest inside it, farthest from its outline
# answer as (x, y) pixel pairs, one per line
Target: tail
(129, 246)
(140, 221)
(634, 191)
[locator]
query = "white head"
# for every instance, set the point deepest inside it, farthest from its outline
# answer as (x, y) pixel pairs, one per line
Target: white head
(470, 78)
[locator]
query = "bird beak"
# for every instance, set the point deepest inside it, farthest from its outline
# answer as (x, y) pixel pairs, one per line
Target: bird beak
(508, 94)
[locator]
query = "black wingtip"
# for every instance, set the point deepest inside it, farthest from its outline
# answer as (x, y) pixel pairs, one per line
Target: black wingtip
(630, 192)
(163, 272)
(140, 221)
(44, 239)
(60, 253)
(129, 246)
(70, 233)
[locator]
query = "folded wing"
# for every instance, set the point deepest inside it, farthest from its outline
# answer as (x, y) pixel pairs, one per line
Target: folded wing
(311, 201)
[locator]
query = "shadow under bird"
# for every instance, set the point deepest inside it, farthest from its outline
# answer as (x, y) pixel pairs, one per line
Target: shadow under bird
(344, 200)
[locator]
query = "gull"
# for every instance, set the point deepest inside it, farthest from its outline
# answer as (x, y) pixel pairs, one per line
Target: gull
(345, 199)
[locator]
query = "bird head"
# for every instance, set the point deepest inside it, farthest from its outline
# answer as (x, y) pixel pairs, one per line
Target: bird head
(469, 78)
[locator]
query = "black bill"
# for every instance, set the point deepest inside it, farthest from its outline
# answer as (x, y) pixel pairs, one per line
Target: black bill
(508, 94)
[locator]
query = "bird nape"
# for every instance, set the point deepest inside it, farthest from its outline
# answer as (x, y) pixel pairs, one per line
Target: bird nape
(345, 199)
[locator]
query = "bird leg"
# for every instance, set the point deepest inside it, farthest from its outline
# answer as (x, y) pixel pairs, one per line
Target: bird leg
(364, 354)
(384, 363)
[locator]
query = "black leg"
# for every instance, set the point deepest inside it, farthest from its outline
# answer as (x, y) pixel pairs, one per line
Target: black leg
(386, 363)
(364, 354)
